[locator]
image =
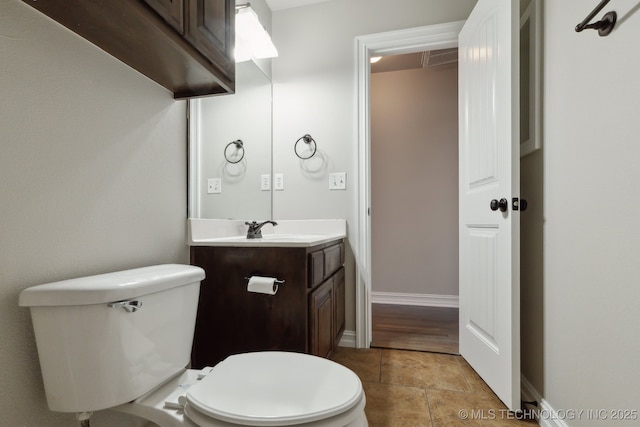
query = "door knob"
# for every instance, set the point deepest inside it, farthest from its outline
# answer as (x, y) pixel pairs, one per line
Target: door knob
(503, 204)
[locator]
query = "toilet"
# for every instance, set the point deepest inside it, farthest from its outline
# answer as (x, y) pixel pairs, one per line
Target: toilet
(122, 341)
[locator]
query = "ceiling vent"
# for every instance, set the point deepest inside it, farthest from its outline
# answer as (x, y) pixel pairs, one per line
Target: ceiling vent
(436, 58)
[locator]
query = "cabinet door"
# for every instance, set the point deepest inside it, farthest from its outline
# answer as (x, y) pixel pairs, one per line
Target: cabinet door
(321, 320)
(339, 305)
(171, 10)
(210, 28)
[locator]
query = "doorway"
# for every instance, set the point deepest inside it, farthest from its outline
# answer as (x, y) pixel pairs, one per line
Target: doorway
(414, 201)
(423, 39)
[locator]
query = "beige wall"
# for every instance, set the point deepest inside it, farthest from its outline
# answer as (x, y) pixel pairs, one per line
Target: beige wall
(92, 179)
(414, 181)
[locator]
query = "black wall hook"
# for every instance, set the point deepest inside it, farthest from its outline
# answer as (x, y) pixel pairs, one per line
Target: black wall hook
(604, 26)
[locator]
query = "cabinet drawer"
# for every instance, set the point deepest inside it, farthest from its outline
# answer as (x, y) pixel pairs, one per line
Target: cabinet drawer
(324, 262)
(316, 268)
(332, 259)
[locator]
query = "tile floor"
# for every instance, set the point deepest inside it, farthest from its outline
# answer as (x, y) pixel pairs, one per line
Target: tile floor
(412, 388)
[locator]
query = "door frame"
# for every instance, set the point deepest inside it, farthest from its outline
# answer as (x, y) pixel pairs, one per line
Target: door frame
(432, 37)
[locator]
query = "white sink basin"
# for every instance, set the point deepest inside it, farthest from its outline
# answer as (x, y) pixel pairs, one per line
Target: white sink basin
(272, 240)
(292, 237)
(303, 233)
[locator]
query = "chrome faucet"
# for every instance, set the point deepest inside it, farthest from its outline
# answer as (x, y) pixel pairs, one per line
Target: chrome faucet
(255, 229)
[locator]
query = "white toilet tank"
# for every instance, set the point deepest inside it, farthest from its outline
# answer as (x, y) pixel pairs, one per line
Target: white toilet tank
(105, 340)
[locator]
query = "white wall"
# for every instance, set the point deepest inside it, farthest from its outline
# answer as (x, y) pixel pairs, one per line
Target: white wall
(92, 179)
(414, 181)
(591, 209)
(245, 115)
(315, 93)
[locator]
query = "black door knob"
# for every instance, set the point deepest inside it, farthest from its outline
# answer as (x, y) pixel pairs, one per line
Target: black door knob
(503, 204)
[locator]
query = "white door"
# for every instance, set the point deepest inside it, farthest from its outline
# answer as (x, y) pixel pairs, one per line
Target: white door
(489, 170)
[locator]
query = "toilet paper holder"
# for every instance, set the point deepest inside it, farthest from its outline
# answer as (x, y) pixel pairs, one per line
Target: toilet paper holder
(263, 285)
(276, 282)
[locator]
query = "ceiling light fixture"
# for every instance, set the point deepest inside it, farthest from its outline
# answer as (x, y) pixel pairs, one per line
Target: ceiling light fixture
(252, 39)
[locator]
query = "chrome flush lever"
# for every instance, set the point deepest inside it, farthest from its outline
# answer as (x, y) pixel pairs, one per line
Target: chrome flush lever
(129, 306)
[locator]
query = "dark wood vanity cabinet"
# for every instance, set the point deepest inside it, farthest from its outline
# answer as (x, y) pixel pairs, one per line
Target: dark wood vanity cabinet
(184, 45)
(302, 316)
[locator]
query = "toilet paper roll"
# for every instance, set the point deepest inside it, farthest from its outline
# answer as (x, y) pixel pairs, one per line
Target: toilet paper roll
(262, 285)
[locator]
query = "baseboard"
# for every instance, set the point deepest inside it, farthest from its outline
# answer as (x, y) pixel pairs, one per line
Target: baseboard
(528, 391)
(547, 416)
(348, 339)
(424, 300)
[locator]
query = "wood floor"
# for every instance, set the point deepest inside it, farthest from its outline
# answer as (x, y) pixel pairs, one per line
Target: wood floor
(407, 327)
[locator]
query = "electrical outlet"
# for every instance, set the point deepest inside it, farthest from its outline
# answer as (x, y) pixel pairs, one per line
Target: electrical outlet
(279, 182)
(214, 185)
(338, 181)
(265, 182)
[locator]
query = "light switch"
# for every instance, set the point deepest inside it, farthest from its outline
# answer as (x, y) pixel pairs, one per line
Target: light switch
(214, 185)
(338, 181)
(265, 182)
(279, 182)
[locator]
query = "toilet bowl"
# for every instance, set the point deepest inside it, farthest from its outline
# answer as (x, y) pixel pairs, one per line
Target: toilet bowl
(258, 389)
(122, 341)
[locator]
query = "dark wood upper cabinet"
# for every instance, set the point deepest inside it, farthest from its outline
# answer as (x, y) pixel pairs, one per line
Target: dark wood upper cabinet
(184, 45)
(171, 10)
(210, 27)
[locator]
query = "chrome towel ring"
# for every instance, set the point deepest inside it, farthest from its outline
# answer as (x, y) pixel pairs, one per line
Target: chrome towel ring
(307, 139)
(239, 146)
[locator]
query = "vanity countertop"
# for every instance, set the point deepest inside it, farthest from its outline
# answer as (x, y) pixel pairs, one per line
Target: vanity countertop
(288, 233)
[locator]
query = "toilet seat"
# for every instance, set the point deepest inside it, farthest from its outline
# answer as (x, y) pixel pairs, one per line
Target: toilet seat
(274, 389)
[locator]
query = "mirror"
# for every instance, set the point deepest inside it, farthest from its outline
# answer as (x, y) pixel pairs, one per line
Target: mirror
(230, 150)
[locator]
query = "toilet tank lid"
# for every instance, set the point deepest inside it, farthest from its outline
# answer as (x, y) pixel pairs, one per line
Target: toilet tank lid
(110, 287)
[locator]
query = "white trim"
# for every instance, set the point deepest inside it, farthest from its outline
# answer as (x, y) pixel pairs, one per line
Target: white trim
(363, 312)
(424, 300)
(440, 36)
(193, 141)
(528, 392)
(348, 339)
(533, 14)
(547, 416)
